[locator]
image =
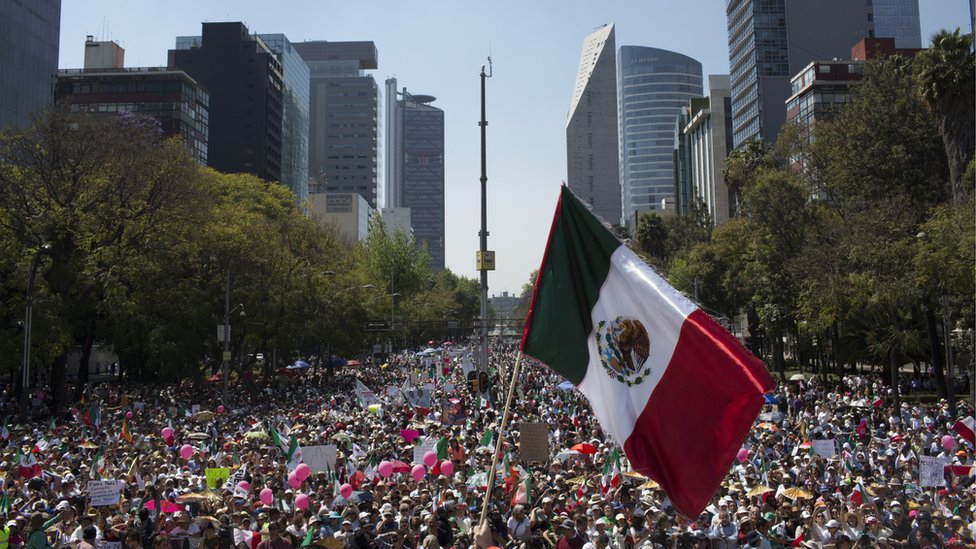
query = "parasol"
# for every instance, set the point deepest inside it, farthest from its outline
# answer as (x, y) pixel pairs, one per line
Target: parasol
(198, 436)
(256, 435)
(649, 485)
(205, 415)
(88, 445)
(400, 467)
(797, 493)
(767, 426)
(759, 490)
(561, 456)
(797, 377)
(584, 448)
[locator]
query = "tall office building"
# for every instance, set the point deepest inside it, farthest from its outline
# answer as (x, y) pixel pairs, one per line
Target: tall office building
(295, 102)
(681, 161)
(415, 166)
(654, 85)
(898, 19)
(343, 147)
(592, 165)
(709, 133)
(770, 40)
(244, 79)
(29, 38)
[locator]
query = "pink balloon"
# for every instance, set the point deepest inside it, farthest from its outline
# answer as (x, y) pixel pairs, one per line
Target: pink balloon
(293, 480)
(948, 443)
(266, 496)
(220, 409)
(385, 469)
(129, 414)
(345, 490)
(167, 432)
(186, 451)
(302, 471)
(447, 468)
(301, 501)
(418, 472)
(743, 455)
(244, 485)
(430, 458)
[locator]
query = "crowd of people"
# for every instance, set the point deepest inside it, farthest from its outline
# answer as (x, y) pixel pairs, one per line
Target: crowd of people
(412, 446)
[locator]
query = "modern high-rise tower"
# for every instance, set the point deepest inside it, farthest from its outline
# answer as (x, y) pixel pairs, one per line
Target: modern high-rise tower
(654, 85)
(771, 40)
(591, 130)
(343, 129)
(29, 38)
(415, 166)
(244, 79)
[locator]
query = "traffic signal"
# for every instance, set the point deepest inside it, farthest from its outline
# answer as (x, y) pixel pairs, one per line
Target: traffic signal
(483, 381)
(473, 382)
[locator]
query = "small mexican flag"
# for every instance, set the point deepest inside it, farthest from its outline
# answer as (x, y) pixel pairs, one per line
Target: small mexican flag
(858, 495)
(486, 439)
(27, 466)
(98, 465)
(523, 494)
(5, 505)
(662, 377)
(291, 451)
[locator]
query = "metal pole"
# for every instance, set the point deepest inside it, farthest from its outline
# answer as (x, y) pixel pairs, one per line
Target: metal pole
(947, 336)
(227, 338)
(28, 314)
(483, 362)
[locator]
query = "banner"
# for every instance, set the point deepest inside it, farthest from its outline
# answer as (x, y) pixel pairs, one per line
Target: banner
(931, 471)
(320, 458)
(217, 476)
(533, 442)
(104, 492)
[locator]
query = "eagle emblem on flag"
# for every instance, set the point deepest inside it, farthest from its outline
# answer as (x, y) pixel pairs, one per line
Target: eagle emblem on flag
(624, 347)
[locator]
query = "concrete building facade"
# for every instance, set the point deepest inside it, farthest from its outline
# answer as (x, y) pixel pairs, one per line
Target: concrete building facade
(709, 134)
(592, 164)
(343, 145)
(348, 213)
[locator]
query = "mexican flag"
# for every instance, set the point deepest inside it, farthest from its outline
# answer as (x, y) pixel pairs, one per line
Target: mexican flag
(98, 465)
(966, 427)
(27, 466)
(859, 495)
(290, 450)
(662, 377)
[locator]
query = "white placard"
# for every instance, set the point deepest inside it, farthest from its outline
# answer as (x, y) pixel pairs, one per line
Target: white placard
(194, 409)
(104, 492)
(429, 443)
(824, 448)
(320, 458)
(931, 471)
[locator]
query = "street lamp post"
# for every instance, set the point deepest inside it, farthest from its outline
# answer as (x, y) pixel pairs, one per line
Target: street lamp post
(483, 363)
(393, 297)
(29, 299)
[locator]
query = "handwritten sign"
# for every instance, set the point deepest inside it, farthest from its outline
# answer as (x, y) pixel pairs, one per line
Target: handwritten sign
(104, 492)
(320, 458)
(217, 476)
(824, 448)
(931, 471)
(534, 442)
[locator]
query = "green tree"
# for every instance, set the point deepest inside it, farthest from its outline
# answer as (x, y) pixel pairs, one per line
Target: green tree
(946, 75)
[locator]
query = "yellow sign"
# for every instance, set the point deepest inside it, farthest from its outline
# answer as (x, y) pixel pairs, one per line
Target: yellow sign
(488, 263)
(217, 476)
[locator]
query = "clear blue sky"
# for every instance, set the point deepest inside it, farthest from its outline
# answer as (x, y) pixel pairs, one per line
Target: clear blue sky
(437, 47)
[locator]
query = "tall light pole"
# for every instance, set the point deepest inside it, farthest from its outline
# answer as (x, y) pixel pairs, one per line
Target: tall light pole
(393, 297)
(29, 299)
(483, 264)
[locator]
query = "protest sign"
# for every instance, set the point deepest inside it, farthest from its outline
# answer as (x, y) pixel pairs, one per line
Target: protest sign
(429, 444)
(453, 412)
(320, 458)
(194, 409)
(448, 387)
(104, 492)
(534, 442)
(140, 406)
(931, 471)
(824, 448)
(217, 476)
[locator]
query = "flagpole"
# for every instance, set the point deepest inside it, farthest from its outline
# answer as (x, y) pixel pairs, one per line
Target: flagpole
(501, 436)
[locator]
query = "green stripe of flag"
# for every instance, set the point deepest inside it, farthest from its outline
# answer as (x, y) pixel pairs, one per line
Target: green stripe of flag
(575, 265)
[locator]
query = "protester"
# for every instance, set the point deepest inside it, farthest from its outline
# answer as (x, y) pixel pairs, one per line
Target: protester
(861, 488)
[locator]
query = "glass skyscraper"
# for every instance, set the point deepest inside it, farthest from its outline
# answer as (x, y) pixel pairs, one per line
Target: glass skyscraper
(29, 38)
(653, 86)
(898, 19)
(294, 114)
